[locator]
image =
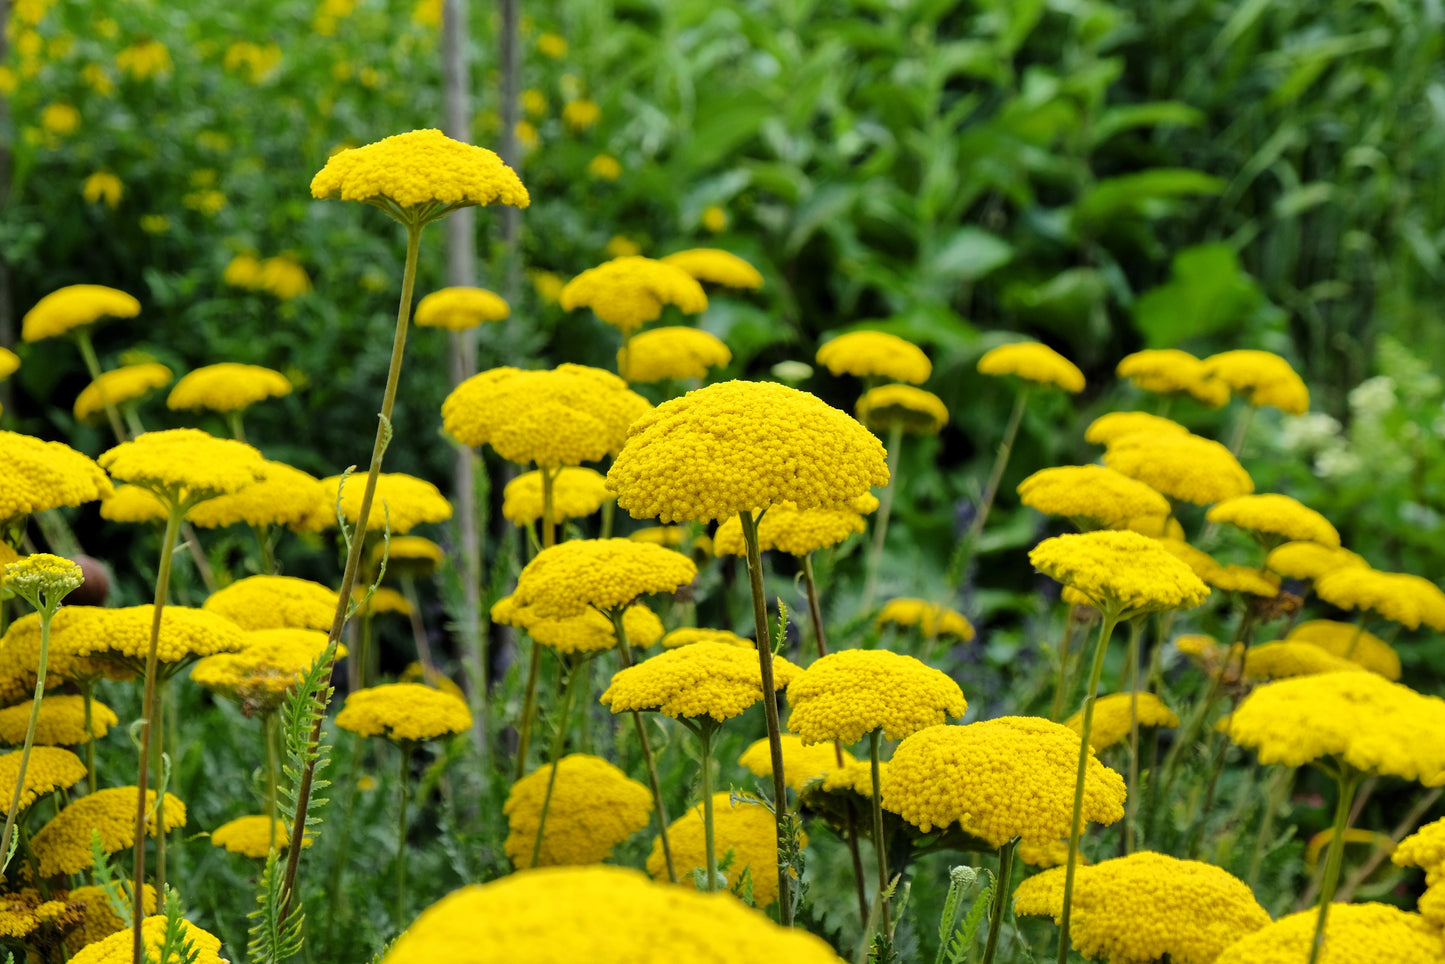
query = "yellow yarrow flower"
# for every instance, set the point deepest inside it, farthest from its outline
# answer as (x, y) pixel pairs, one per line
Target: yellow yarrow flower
(576, 494)
(717, 680)
(1185, 467)
(846, 695)
(1092, 495)
(594, 807)
(1245, 579)
(404, 711)
(930, 618)
(742, 827)
(1425, 848)
(565, 416)
(49, 769)
(144, 59)
(999, 779)
(629, 291)
(227, 387)
(1112, 426)
(1285, 658)
(914, 410)
(1154, 526)
(605, 574)
(801, 764)
(84, 638)
(117, 387)
(1361, 718)
(74, 639)
(401, 502)
(1201, 563)
(588, 633)
(671, 352)
(409, 557)
(283, 277)
(1354, 934)
(875, 353)
(260, 676)
(184, 465)
(99, 919)
(117, 948)
(1309, 560)
(1263, 377)
(62, 846)
(103, 186)
(786, 528)
(717, 266)
(1170, 371)
(1124, 571)
(383, 600)
(61, 721)
(284, 497)
(251, 836)
(552, 45)
(460, 308)
(1112, 716)
(1339, 639)
(714, 218)
(59, 119)
(1396, 596)
(1275, 517)
(1033, 362)
(688, 635)
(1146, 906)
(274, 602)
(579, 115)
(67, 309)
(740, 447)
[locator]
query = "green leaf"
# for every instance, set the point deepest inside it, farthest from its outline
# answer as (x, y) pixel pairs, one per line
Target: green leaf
(1068, 297)
(1208, 293)
(1162, 113)
(970, 254)
(1131, 193)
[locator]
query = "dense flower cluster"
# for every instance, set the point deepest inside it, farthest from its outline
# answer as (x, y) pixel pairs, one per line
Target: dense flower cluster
(787, 528)
(1361, 718)
(49, 768)
(1095, 496)
(61, 721)
(716, 266)
(576, 493)
(1155, 526)
(1309, 560)
(227, 387)
(1033, 362)
(401, 503)
(250, 836)
(131, 504)
(703, 679)
(671, 352)
(1170, 371)
(1004, 778)
(1185, 467)
(870, 353)
(404, 711)
(564, 416)
(1280, 516)
(1112, 426)
(274, 602)
(914, 410)
(1262, 377)
(742, 828)
(1121, 569)
(122, 635)
(594, 807)
(460, 308)
(630, 291)
(75, 306)
(1425, 848)
(801, 763)
(1286, 658)
(284, 496)
(741, 447)
(98, 920)
(1143, 907)
(186, 463)
(119, 386)
(1354, 934)
(42, 475)
(418, 168)
(62, 846)
(931, 618)
(603, 915)
(688, 635)
(846, 695)
(1245, 579)
(565, 579)
(1352, 642)
(1113, 715)
(117, 948)
(1399, 597)
(587, 633)
(259, 676)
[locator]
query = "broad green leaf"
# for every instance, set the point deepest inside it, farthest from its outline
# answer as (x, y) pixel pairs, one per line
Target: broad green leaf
(1115, 120)
(1128, 194)
(1068, 297)
(1208, 293)
(970, 254)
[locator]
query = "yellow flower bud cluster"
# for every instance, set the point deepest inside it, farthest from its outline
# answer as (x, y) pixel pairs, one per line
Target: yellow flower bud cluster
(118, 947)
(594, 807)
(630, 291)
(702, 679)
(118, 386)
(1285, 658)
(740, 447)
(284, 497)
(671, 352)
(1340, 639)
(185, 463)
(274, 602)
(1279, 516)
(422, 167)
(576, 494)
(787, 528)
(75, 306)
(1354, 934)
(1112, 426)
(227, 387)
(61, 721)
(716, 266)
(1033, 362)
(38, 921)
(49, 769)
(869, 353)
(801, 763)
(63, 845)
(1170, 371)
(1093, 495)
(401, 502)
(460, 308)
(1399, 597)
(1125, 570)
(846, 695)
(916, 411)
(999, 779)
(587, 633)
(404, 711)
(565, 416)
(1186, 468)
(742, 827)
(606, 574)
(930, 618)
(1113, 714)
(42, 475)
(42, 574)
(1309, 560)
(251, 836)
(688, 635)
(1361, 718)
(1264, 378)
(1146, 906)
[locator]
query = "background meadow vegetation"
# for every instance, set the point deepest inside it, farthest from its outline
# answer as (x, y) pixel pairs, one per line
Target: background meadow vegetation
(1101, 177)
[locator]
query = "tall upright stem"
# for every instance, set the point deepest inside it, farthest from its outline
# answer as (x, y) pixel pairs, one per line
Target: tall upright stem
(1000, 898)
(704, 734)
(880, 521)
(880, 845)
(624, 650)
(1106, 629)
(1136, 628)
(87, 692)
(418, 631)
(1000, 463)
(1348, 780)
(1241, 430)
(534, 664)
(770, 712)
(92, 365)
(559, 744)
(233, 421)
(404, 789)
(269, 733)
(46, 614)
(815, 613)
(1070, 626)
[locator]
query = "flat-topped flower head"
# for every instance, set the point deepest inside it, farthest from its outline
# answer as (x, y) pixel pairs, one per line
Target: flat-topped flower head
(564, 416)
(630, 291)
(131, 504)
(606, 574)
(1201, 563)
(401, 502)
(274, 602)
(1112, 426)
(84, 638)
(1094, 496)
(594, 807)
(62, 846)
(1425, 848)
(846, 695)
(43, 579)
(1169, 371)
(75, 307)
(205, 946)
(1396, 596)
(419, 176)
(590, 632)
(614, 916)
(914, 410)
(61, 721)
(1123, 571)
(576, 493)
(717, 266)
(999, 779)
(1354, 934)
(1262, 377)
(743, 827)
(801, 763)
(1360, 718)
(9, 363)
(1309, 560)
(383, 600)
(875, 354)
(1283, 659)
(100, 920)
(1154, 526)
(1146, 906)
(250, 836)
(184, 466)
(1112, 715)
(120, 386)
(1035, 363)
(1340, 639)
(260, 676)
(688, 635)
(930, 618)
(704, 679)
(227, 387)
(284, 496)
(73, 640)
(1244, 579)
(42, 475)
(408, 557)
(741, 447)
(658, 354)
(1186, 468)
(1274, 518)
(49, 769)
(404, 711)
(789, 529)
(459, 308)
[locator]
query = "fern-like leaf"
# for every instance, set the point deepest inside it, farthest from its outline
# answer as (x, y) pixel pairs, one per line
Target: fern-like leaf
(273, 939)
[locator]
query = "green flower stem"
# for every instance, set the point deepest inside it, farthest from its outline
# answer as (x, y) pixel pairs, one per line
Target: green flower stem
(549, 525)
(268, 556)
(1404, 828)
(1071, 626)
(1241, 430)
(559, 744)
(1000, 898)
(158, 774)
(815, 613)
(880, 846)
(609, 510)
(270, 733)
(770, 707)
(880, 521)
(1359, 631)
(132, 420)
(1349, 780)
(46, 614)
(1106, 629)
(338, 867)
(705, 729)
(364, 656)
(87, 693)
(1136, 629)
(353, 557)
(418, 631)
(1279, 788)
(624, 650)
(534, 664)
(92, 365)
(150, 708)
(233, 420)
(1000, 463)
(407, 746)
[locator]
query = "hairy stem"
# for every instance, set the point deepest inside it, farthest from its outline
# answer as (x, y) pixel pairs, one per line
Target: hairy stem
(624, 650)
(559, 744)
(1136, 628)
(46, 614)
(1071, 625)
(1000, 898)
(1348, 781)
(880, 521)
(704, 734)
(880, 846)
